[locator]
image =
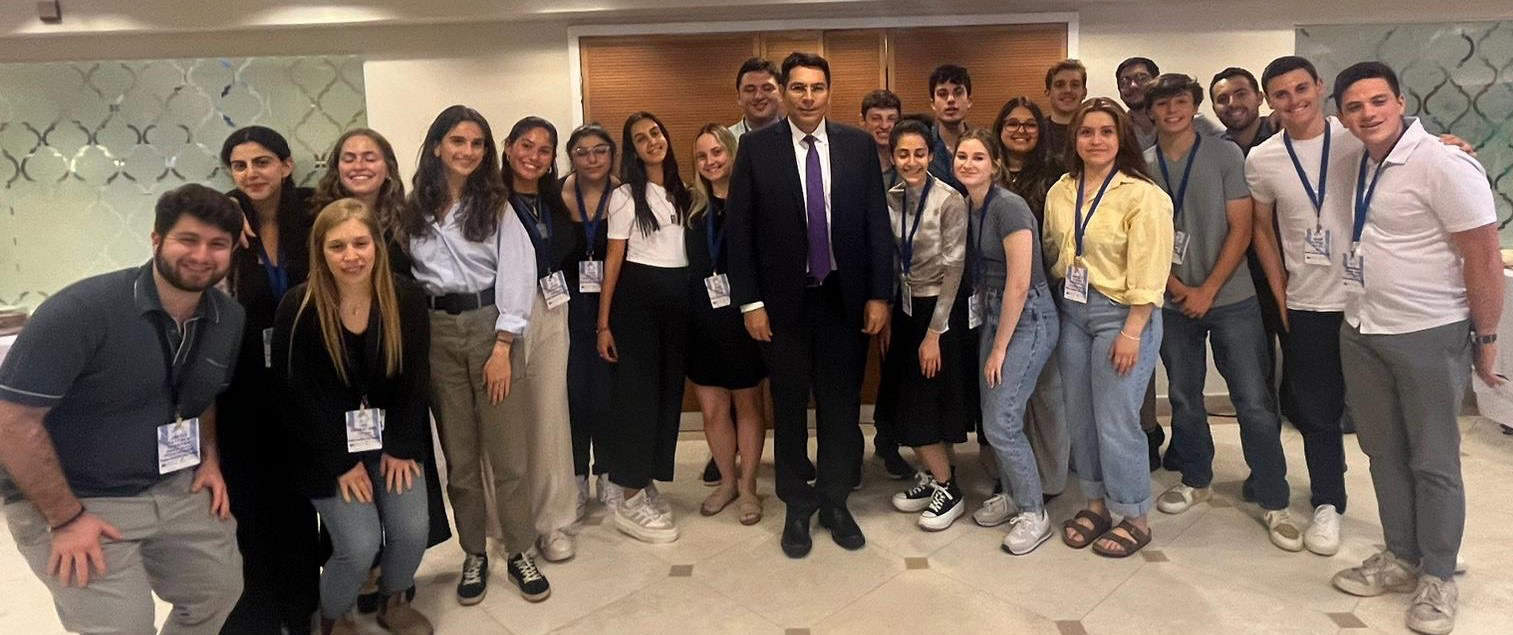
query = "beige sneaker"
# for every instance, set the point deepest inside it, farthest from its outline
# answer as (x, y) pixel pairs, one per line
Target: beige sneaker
(397, 616)
(1379, 574)
(1283, 531)
(1433, 608)
(1180, 498)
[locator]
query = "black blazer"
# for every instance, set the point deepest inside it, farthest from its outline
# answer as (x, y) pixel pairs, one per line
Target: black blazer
(314, 401)
(768, 238)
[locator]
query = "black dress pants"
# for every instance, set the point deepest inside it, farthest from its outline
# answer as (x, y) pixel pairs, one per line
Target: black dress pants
(649, 319)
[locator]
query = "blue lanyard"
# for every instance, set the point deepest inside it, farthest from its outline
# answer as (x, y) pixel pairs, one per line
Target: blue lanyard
(1317, 198)
(1079, 225)
(278, 276)
(1363, 193)
(906, 239)
(541, 240)
(1181, 193)
(715, 239)
(982, 222)
(591, 224)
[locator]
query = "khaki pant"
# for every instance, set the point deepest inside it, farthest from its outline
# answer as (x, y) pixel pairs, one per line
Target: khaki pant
(537, 412)
(472, 429)
(170, 545)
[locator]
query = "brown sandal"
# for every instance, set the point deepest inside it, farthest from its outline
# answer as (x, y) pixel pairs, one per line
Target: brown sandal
(1127, 547)
(714, 505)
(750, 507)
(1085, 535)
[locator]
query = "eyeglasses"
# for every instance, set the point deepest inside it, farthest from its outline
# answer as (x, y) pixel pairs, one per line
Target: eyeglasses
(1134, 80)
(1015, 124)
(600, 150)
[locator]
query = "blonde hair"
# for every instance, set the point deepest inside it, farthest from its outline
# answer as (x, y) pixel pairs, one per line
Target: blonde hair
(321, 291)
(703, 190)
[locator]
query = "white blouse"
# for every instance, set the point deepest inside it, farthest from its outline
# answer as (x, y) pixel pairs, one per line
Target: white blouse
(664, 247)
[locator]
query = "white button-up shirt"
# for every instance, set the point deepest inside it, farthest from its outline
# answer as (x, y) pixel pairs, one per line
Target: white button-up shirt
(447, 262)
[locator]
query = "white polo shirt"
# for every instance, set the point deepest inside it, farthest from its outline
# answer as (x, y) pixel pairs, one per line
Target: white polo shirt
(1274, 181)
(664, 247)
(1412, 272)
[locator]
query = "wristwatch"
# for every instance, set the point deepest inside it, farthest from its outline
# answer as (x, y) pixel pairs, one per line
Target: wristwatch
(1483, 339)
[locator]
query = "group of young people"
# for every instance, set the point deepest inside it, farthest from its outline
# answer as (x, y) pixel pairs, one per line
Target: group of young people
(1018, 279)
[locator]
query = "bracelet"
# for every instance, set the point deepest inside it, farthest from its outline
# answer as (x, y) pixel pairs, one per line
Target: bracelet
(1121, 332)
(71, 519)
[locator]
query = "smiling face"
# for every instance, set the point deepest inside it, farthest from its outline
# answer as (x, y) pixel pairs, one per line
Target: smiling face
(651, 144)
(193, 255)
(711, 159)
(1235, 102)
(1297, 96)
(758, 96)
(950, 102)
(1132, 85)
(461, 149)
(1097, 139)
(974, 164)
(531, 155)
(1020, 132)
(1372, 112)
(1174, 115)
(1068, 89)
(807, 95)
(360, 166)
(257, 172)
(879, 123)
(592, 158)
(349, 251)
(911, 155)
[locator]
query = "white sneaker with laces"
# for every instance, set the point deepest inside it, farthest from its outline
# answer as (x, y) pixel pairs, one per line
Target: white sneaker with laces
(636, 517)
(1180, 498)
(995, 511)
(1283, 531)
(582, 508)
(1381, 573)
(1433, 607)
(556, 546)
(1323, 536)
(1027, 530)
(658, 502)
(609, 493)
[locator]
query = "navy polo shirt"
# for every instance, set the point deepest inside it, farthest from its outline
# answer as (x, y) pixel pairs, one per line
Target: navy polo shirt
(94, 355)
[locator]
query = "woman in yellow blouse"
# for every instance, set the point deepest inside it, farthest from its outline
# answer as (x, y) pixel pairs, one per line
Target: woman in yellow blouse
(1108, 233)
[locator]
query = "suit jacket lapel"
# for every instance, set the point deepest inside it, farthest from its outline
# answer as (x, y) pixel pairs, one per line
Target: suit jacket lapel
(789, 162)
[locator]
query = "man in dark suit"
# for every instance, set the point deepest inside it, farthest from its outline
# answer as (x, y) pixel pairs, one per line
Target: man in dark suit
(811, 267)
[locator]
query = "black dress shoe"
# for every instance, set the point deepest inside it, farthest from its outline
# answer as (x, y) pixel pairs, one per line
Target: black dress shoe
(796, 540)
(843, 528)
(898, 469)
(806, 470)
(711, 474)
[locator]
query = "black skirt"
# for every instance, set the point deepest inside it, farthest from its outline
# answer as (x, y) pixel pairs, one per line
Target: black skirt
(720, 351)
(932, 410)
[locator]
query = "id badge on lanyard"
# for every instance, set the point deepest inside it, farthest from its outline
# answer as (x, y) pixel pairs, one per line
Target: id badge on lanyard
(1179, 246)
(974, 310)
(590, 276)
(1355, 271)
(718, 287)
(906, 297)
(1316, 247)
(365, 429)
(268, 347)
(1076, 283)
(554, 289)
(178, 445)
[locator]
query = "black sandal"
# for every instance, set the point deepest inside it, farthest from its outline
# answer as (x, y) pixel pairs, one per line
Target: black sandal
(1085, 535)
(1127, 546)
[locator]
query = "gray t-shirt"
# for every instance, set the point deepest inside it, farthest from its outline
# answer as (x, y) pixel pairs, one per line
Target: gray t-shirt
(1218, 176)
(1006, 213)
(93, 354)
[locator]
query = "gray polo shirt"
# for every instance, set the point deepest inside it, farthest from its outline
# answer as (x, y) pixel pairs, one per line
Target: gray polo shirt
(94, 355)
(1218, 177)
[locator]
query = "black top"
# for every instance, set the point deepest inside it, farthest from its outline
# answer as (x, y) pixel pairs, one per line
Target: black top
(558, 234)
(94, 354)
(314, 401)
(696, 242)
(578, 249)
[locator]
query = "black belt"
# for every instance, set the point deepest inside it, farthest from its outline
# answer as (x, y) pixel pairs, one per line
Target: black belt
(455, 303)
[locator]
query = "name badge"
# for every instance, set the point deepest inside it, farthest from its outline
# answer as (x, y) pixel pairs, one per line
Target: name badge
(268, 347)
(554, 289)
(1316, 247)
(178, 445)
(1076, 283)
(718, 286)
(590, 276)
(1355, 273)
(1179, 247)
(365, 430)
(906, 297)
(974, 311)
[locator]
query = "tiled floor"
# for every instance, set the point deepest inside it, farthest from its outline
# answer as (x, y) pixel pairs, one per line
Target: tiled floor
(1210, 570)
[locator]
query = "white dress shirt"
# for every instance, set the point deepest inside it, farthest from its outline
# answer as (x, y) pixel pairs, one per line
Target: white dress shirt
(446, 262)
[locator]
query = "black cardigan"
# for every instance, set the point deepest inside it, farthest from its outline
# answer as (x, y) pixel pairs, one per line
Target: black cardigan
(314, 401)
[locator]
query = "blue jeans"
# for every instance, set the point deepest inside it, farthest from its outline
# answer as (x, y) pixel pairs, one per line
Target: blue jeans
(1030, 347)
(1109, 453)
(400, 522)
(1239, 343)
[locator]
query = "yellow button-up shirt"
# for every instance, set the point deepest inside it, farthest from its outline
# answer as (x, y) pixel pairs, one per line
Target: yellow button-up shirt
(1128, 245)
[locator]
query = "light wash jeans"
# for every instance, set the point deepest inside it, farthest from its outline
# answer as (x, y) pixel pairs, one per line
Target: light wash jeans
(1109, 453)
(399, 522)
(1030, 347)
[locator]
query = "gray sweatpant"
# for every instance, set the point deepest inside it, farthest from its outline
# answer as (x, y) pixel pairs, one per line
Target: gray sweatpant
(1404, 392)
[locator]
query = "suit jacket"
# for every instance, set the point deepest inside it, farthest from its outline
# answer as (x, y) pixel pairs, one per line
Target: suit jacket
(768, 239)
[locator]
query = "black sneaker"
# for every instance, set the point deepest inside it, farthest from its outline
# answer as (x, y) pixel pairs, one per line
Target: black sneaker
(475, 580)
(947, 503)
(523, 572)
(916, 498)
(711, 474)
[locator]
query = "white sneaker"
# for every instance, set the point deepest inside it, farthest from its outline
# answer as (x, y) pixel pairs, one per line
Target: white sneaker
(1323, 536)
(636, 518)
(1027, 530)
(995, 511)
(1179, 498)
(1283, 531)
(582, 509)
(609, 493)
(1433, 608)
(658, 502)
(1379, 574)
(556, 546)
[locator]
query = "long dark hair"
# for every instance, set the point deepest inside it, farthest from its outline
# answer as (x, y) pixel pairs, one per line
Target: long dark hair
(482, 196)
(1041, 167)
(633, 171)
(548, 187)
(1129, 158)
(390, 206)
(293, 214)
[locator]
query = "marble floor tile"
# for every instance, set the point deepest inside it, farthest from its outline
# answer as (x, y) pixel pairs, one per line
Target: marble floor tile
(942, 605)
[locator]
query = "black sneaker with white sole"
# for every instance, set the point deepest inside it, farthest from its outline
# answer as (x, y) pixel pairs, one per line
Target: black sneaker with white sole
(475, 580)
(523, 572)
(916, 498)
(947, 503)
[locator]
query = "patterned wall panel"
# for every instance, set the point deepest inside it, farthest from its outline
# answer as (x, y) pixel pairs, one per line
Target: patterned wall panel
(86, 148)
(1457, 76)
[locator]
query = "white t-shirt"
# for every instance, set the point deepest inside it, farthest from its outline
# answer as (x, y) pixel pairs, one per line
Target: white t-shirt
(664, 247)
(1274, 181)
(1411, 269)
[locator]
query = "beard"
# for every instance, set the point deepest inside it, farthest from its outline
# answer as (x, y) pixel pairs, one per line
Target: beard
(178, 279)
